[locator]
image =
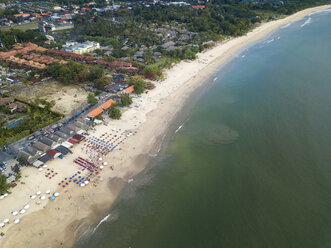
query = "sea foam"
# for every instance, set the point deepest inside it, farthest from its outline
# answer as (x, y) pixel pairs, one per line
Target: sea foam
(306, 22)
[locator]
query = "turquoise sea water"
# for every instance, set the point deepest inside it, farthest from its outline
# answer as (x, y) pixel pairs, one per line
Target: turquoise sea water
(251, 166)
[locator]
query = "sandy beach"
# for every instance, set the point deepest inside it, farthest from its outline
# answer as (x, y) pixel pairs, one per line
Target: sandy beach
(61, 222)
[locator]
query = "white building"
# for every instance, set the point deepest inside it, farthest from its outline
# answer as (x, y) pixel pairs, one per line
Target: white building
(81, 48)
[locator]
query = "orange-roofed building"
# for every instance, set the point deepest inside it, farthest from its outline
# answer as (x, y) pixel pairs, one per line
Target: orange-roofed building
(198, 7)
(24, 15)
(95, 112)
(107, 104)
(129, 90)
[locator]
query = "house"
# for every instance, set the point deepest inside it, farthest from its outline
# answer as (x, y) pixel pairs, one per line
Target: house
(63, 150)
(129, 90)
(47, 141)
(53, 153)
(67, 131)
(32, 151)
(6, 100)
(57, 8)
(78, 137)
(29, 158)
(61, 134)
(41, 146)
(198, 6)
(17, 107)
(95, 112)
(55, 138)
(44, 158)
(72, 128)
(106, 105)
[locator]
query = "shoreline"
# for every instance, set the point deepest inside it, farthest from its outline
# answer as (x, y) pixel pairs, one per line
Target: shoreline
(62, 222)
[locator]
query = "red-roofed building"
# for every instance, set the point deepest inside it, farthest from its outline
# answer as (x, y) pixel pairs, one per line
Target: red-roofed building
(73, 141)
(53, 153)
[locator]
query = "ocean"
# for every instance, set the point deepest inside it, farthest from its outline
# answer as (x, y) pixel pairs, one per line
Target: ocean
(249, 164)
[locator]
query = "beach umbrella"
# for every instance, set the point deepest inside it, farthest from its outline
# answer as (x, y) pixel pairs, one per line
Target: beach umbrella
(51, 197)
(47, 191)
(27, 206)
(2, 196)
(38, 193)
(56, 194)
(2, 224)
(17, 221)
(5, 195)
(6, 220)
(22, 211)
(14, 213)
(32, 196)
(42, 197)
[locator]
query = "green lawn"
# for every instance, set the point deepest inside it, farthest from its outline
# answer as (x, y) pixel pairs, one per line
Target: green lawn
(22, 27)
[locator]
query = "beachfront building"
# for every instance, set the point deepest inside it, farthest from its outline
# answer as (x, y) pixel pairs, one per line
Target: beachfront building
(41, 146)
(48, 141)
(81, 48)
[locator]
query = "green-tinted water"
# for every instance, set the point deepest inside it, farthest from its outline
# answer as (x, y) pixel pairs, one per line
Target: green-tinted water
(251, 167)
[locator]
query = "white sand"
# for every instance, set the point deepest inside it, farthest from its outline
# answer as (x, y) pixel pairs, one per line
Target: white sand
(61, 222)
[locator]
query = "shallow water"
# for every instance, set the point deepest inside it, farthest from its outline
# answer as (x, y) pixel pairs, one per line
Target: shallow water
(251, 167)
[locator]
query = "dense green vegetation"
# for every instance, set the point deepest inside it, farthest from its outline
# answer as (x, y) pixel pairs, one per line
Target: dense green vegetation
(139, 87)
(91, 99)
(114, 113)
(126, 100)
(4, 186)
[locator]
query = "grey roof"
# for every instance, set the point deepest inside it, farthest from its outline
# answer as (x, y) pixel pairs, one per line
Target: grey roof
(63, 150)
(24, 154)
(67, 131)
(41, 146)
(55, 138)
(73, 127)
(32, 151)
(61, 134)
(47, 141)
